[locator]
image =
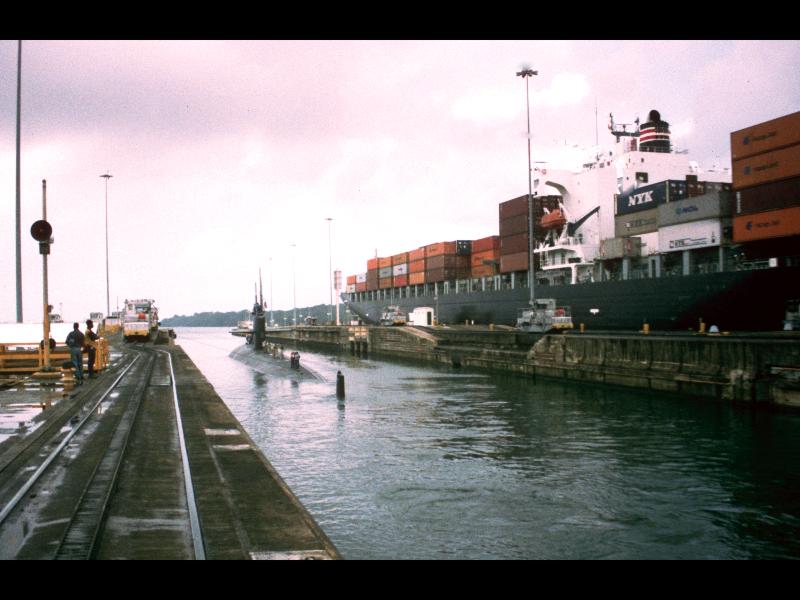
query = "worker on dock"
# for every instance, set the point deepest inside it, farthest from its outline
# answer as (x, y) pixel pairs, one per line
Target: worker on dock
(75, 344)
(90, 341)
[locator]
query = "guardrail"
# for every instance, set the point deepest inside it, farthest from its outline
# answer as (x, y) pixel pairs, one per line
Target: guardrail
(28, 357)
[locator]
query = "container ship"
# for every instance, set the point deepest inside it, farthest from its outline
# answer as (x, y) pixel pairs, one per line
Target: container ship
(638, 235)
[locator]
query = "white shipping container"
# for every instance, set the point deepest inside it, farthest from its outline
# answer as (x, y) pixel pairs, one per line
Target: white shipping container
(350, 289)
(361, 278)
(422, 315)
(685, 236)
(400, 269)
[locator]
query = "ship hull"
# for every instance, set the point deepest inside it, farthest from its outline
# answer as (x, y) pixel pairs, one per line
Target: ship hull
(738, 300)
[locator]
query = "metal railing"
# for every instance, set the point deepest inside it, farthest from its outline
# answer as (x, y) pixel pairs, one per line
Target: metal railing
(28, 357)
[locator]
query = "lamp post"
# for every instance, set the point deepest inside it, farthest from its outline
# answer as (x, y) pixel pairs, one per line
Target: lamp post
(19, 217)
(270, 291)
(330, 261)
(107, 176)
(294, 285)
(526, 74)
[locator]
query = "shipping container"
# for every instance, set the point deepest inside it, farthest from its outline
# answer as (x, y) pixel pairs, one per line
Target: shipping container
(770, 224)
(687, 236)
(766, 136)
(447, 261)
(351, 279)
(488, 243)
(650, 196)
(477, 259)
(400, 280)
(361, 278)
(695, 188)
(484, 271)
(384, 262)
(350, 288)
(512, 208)
(464, 247)
(514, 262)
(766, 167)
(372, 279)
(385, 272)
(445, 274)
(717, 186)
(361, 287)
(385, 283)
(400, 270)
(399, 259)
(514, 225)
(418, 254)
(513, 244)
(638, 223)
(440, 248)
(768, 196)
(372, 264)
(696, 208)
(620, 247)
(416, 278)
(416, 266)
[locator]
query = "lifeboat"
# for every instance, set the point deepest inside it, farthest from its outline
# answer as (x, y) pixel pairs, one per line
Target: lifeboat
(553, 219)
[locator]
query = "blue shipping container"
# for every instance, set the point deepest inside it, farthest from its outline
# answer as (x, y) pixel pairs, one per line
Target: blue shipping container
(651, 196)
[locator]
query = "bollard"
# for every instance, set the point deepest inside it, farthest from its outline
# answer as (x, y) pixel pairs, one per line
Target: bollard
(339, 384)
(702, 326)
(583, 327)
(646, 328)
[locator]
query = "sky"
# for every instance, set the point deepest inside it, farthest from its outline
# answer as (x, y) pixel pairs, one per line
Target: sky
(229, 156)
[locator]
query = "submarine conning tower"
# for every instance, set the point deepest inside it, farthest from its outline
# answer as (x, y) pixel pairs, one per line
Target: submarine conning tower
(259, 326)
(654, 134)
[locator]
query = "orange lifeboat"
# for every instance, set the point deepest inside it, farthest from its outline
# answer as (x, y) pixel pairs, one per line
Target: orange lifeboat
(554, 219)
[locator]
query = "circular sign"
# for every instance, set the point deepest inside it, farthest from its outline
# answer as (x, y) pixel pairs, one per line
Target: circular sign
(41, 231)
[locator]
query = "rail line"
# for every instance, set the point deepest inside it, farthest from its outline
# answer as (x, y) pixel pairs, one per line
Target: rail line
(81, 535)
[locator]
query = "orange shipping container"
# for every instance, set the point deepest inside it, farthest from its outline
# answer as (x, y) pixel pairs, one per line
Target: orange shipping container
(361, 287)
(399, 259)
(400, 280)
(385, 283)
(766, 167)
(488, 243)
(351, 279)
(766, 136)
(417, 254)
(514, 262)
(478, 257)
(372, 264)
(384, 262)
(416, 278)
(482, 271)
(440, 248)
(771, 224)
(416, 266)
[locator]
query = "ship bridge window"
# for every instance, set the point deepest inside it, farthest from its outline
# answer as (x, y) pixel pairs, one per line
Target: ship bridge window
(641, 177)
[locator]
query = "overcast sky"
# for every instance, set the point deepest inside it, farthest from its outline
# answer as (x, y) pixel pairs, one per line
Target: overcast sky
(224, 153)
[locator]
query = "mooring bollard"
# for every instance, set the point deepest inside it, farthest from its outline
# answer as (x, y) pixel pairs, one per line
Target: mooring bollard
(339, 384)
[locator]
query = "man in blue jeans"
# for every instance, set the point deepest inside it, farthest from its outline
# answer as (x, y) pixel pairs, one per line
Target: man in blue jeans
(75, 345)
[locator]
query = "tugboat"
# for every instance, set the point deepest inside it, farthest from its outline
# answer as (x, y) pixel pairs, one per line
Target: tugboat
(545, 316)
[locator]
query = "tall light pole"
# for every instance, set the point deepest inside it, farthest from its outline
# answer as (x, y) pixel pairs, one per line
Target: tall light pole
(19, 221)
(526, 74)
(270, 291)
(294, 284)
(108, 297)
(330, 260)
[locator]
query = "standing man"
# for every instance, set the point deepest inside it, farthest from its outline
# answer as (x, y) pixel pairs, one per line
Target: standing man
(90, 340)
(75, 345)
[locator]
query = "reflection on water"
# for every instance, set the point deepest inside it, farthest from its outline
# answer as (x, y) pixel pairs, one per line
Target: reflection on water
(421, 462)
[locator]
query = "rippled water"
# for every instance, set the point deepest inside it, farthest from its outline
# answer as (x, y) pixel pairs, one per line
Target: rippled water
(437, 463)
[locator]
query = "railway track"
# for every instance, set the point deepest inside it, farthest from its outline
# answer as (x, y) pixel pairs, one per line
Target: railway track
(97, 481)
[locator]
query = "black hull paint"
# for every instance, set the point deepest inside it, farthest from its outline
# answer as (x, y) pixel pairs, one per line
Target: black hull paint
(737, 300)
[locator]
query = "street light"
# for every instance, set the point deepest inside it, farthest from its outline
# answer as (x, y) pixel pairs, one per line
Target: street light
(330, 260)
(526, 74)
(294, 284)
(107, 176)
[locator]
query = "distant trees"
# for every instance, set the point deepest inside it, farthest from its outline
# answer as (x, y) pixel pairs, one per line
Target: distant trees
(232, 318)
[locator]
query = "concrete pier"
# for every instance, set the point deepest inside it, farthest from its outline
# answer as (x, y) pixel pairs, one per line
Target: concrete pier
(748, 367)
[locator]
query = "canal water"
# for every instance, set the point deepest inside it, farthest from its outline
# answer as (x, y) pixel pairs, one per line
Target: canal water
(424, 462)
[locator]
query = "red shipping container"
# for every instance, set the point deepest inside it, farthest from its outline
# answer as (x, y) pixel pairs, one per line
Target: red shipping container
(445, 274)
(385, 283)
(400, 280)
(769, 196)
(418, 254)
(416, 278)
(514, 244)
(766, 136)
(478, 257)
(488, 243)
(483, 271)
(514, 225)
(384, 262)
(512, 208)
(770, 224)
(399, 259)
(351, 279)
(372, 264)
(514, 262)
(447, 261)
(361, 287)
(417, 266)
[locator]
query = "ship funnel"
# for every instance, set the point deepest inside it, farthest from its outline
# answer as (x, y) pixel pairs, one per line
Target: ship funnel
(654, 135)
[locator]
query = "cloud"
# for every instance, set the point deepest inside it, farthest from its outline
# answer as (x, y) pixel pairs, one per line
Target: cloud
(565, 89)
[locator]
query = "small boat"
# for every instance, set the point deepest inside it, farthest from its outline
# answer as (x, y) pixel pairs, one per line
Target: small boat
(553, 219)
(544, 317)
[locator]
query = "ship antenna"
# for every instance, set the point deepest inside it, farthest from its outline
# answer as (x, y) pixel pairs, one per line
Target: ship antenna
(260, 289)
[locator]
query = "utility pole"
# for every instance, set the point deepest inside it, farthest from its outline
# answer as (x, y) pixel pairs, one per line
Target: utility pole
(526, 74)
(19, 217)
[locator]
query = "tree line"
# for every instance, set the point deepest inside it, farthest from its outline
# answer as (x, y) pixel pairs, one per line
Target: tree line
(230, 319)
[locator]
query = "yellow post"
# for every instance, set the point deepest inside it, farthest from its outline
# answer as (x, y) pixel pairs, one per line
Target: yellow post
(702, 326)
(583, 327)
(646, 328)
